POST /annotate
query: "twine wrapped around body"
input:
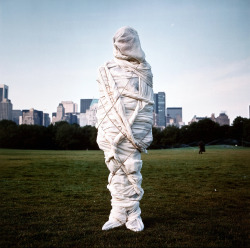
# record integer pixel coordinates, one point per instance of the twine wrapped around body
(124, 122)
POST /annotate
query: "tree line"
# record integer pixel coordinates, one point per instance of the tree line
(63, 136)
(205, 130)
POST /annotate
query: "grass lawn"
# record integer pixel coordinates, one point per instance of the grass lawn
(60, 199)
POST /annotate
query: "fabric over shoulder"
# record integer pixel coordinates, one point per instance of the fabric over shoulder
(124, 122)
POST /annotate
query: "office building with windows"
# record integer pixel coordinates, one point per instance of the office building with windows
(5, 103)
(89, 118)
(174, 116)
(84, 105)
(223, 119)
(70, 107)
(16, 114)
(4, 90)
(46, 119)
(159, 110)
(32, 117)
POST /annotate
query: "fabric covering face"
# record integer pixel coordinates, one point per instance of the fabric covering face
(124, 122)
(127, 45)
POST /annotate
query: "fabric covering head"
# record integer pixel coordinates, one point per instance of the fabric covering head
(127, 45)
(124, 121)
(129, 54)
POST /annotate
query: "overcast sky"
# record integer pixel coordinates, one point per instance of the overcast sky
(199, 51)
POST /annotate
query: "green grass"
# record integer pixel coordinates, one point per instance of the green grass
(60, 199)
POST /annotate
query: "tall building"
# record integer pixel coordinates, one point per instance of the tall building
(46, 119)
(223, 119)
(59, 115)
(89, 118)
(159, 109)
(5, 103)
(197, 119)
(6, 110)
(85, 104)
(70, 107)
(70, 118)
(82, 119)
(174, 116)
(60, 112)
(32, 117)
(16, 113)
(62, 115)
(4, 90)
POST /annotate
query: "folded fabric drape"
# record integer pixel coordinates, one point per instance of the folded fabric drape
(124, 122)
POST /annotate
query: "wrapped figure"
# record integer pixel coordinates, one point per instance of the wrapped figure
(124, 122)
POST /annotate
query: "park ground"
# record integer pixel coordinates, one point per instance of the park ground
(60, 199)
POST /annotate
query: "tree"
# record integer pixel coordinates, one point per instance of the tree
(156, 132)
(170, 137)
(8, 134)
(62, 135)
(68, 137)
(208, 130)
(241, 130)
(89, 135)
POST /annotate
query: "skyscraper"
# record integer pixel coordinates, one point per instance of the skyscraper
(46, 119)
(5, 103)
(85, 104)
(223, 119)
(159, 109)
(174, 116)
(4, 90)
(89, 117)
(70, 107)
(32, 117)
(16, 113)
(60, 112)
(66, 111)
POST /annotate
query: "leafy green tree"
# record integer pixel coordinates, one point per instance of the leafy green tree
(62, 135)
(8, 134)
(32, 137)
(246, 133)
(208, 130)
(74, 137)
(170, 137)
(241, 130)
(156, 138)
(88, 140)
(67, 137)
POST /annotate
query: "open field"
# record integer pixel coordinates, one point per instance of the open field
(60, 199)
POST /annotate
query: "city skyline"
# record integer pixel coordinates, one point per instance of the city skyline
(160, 110)
(68, 111)
(199, 51)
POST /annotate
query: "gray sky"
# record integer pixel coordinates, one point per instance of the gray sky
(199, 50)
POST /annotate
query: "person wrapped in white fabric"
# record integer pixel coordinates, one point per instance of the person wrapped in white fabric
(124, 122)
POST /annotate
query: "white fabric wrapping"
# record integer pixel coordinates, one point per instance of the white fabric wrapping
(124, 122)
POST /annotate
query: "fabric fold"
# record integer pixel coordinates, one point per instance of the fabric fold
(124, 122)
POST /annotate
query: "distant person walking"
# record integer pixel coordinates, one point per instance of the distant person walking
(202, 147)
